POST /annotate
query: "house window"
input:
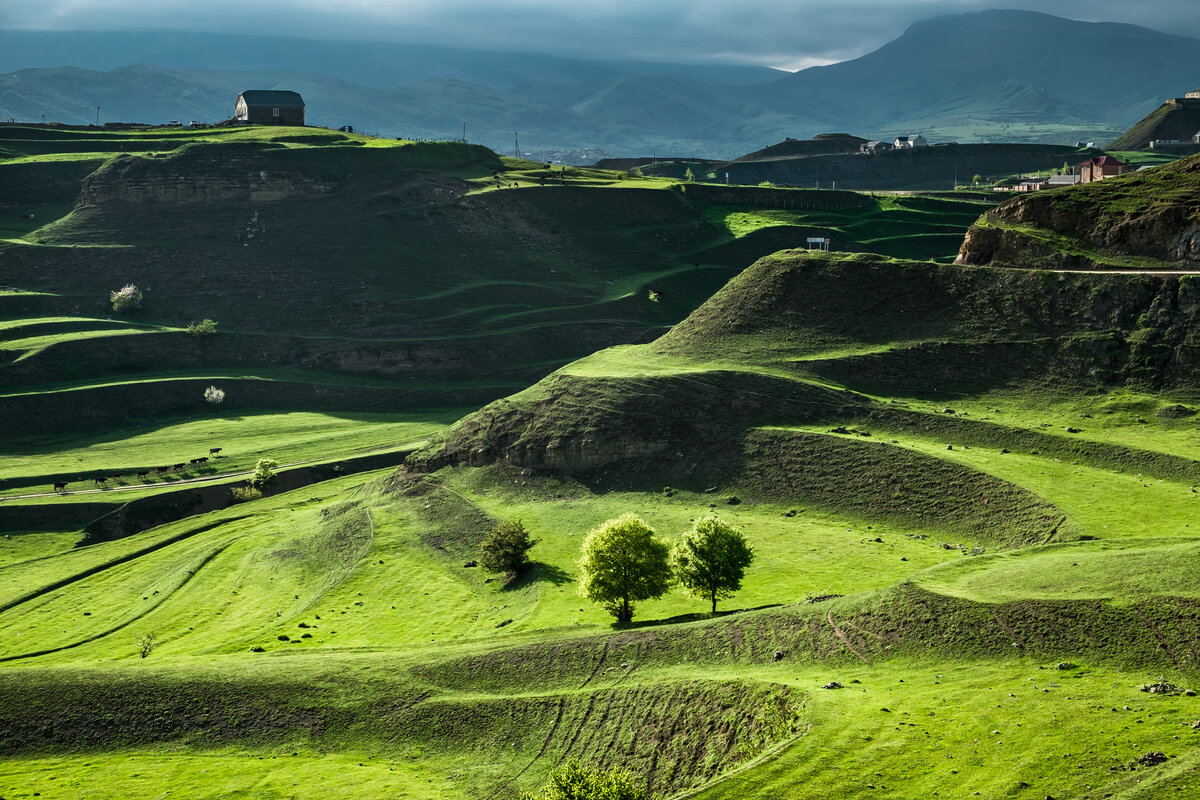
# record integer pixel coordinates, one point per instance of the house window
(274, 112)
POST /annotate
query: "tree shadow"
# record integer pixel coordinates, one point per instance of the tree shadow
(694, 616)
(537, 571)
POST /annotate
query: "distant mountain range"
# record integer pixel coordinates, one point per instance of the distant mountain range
(986, 76)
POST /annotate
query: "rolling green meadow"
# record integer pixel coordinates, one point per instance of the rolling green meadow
(969, 489)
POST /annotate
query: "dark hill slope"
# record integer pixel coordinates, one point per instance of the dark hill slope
(1147, 219)
(821, 144)
(928, 168)
(1168, 121)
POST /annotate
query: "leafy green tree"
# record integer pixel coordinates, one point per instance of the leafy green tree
(711, 559)
(624, 562)
(689, 176)
(976, 179)
(506, 549)
(573, 781)
(264, 472)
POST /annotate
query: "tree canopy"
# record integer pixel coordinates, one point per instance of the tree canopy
(711, 559)
(506, 549)
(623, 562)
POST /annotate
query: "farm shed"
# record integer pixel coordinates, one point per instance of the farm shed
(269, 107)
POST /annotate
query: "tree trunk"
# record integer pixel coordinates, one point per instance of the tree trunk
(714, 599)
(625, 613)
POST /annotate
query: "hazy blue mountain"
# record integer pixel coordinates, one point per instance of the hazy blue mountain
(986, 76)
(1115, 71)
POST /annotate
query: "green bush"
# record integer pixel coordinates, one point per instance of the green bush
(205, 327)
(573, 781)
(242, 494)
(506, 549)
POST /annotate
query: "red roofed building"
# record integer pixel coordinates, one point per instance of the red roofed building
(1099, 168)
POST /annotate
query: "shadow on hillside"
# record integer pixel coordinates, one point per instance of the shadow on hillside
(538, 572)
(693, 617)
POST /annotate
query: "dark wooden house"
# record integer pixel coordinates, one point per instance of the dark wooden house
(269, 107)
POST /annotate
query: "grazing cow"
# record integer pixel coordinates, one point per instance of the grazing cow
(194, 461)
(61, 486)
(202, 460)
(212, 451)
(101, 481)
(162, 470)
(143, 474)
(179, 467)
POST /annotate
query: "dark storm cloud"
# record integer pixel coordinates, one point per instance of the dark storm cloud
(790, 33)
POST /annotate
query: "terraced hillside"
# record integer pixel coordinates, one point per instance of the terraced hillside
(359, 286)
(969, 491)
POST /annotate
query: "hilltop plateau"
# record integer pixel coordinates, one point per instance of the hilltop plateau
(968, 488)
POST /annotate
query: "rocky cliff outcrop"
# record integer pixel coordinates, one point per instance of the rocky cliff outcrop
(1135, 221)
(199, 174)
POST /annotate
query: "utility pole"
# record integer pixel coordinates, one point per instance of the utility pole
(97, 116)
(516, 145)
(464, 133)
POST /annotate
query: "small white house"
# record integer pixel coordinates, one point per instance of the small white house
(911, 142)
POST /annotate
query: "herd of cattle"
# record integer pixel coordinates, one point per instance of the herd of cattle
(102, 481)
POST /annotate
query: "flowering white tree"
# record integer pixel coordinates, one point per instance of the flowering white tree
(127, 298)
(214, 395)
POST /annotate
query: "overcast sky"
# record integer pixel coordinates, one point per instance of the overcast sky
(789, 34)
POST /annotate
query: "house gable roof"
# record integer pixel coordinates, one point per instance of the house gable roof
(272, 97)
(1104, 161)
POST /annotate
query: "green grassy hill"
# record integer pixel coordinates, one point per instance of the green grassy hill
(969, 491)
